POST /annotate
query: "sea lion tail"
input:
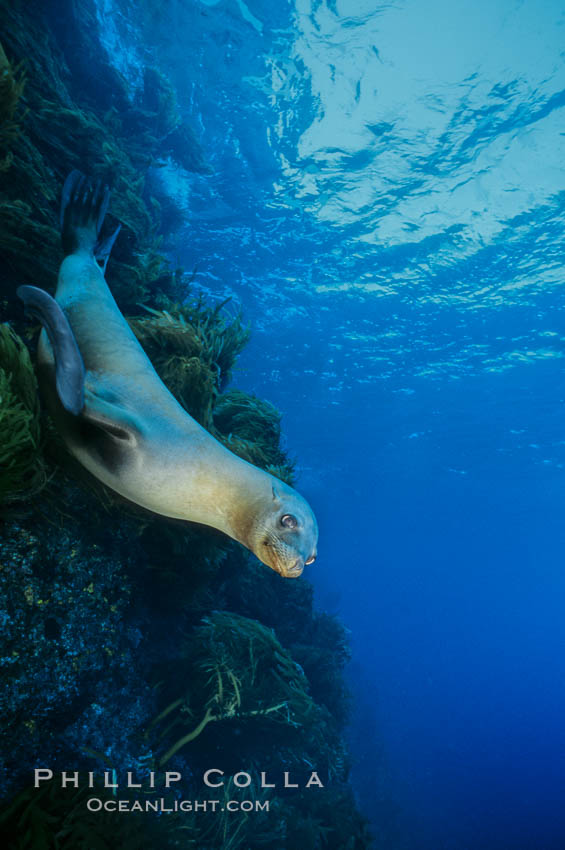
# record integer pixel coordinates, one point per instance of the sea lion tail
(84, 203)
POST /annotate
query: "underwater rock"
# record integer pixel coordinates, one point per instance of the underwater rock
(22, 470)
(66, 647)
(108, 613)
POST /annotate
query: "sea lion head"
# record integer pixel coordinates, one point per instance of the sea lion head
(284, 535)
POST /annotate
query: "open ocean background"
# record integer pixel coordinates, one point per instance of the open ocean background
(387, 206)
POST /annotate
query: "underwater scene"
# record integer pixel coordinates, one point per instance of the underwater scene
(282, 425)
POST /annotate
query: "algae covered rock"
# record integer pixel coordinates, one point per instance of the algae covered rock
(110, 616)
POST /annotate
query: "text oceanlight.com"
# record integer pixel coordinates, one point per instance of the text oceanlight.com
(95, 804)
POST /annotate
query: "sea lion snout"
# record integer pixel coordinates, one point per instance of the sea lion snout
(286, 564)
(295, 571)
(285, 536)
(297, 568)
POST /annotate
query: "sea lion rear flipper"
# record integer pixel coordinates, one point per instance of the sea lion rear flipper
(111, 417)
(103, 248)
(69, 367)
(83, 206)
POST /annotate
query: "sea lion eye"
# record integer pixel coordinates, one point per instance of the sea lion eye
(289, 521)
(310, 560)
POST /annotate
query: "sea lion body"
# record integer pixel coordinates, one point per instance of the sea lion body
(135, 437)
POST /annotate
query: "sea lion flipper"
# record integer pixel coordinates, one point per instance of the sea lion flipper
(111, 417)
(84, 204)
(103, 248)
(69, 367)
(74, 179)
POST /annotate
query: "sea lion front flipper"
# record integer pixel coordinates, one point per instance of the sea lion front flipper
(69, 367)
(111, 417)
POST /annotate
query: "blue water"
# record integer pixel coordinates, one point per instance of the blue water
(387, 205)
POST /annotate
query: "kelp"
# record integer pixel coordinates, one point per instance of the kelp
(31, 245)
(54, 817)
(251, 428)
(57, 130)
(237, 829)
(22, 471)
(317, 640)
(138, 283)
(239, 671)
(159, 107)
(12, 81)
(177, 352)
(193, 348)
(247, 697)
(248, 417)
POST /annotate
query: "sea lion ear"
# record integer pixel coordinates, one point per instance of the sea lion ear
(276, 496)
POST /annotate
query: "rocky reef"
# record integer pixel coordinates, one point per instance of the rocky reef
(130, 642)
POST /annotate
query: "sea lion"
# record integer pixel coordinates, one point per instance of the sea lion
(120, 421)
